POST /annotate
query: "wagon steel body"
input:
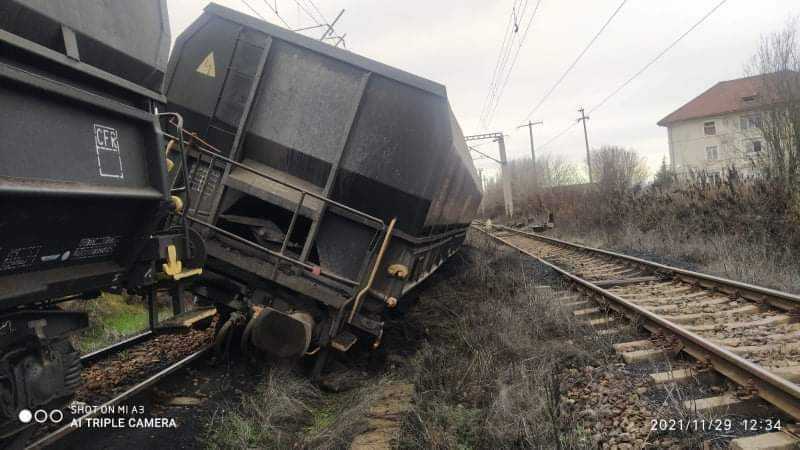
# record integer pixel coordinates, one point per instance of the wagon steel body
(312, 159)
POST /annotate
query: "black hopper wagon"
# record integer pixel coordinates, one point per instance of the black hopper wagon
(327, 185)
(85, 191)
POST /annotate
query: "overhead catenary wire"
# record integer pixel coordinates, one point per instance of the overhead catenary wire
(658, 56)
(507, 34)
(323, 23)
(317, 10)
(307, 12)
(274, 10)
(255, 11)
(506, 53)
(499, 95)
(575, 62)
(556, 137)
(640, 71)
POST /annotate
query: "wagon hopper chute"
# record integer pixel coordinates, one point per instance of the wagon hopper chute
(337, 183)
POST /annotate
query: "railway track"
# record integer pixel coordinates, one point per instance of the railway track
(116, 374)
(748, 334)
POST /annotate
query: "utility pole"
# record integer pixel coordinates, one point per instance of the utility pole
(483, 191)
(504, 169)
(530, 125)
(583, 118)
(506, 173)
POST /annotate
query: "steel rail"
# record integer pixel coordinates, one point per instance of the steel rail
(67, 429)
(782, 300)
(113, 348)
(774, 389)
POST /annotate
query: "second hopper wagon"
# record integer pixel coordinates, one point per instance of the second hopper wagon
(328, 185)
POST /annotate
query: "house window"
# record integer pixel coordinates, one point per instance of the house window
(754, 146)
(750, 121)
(712, 153)
(710, 128)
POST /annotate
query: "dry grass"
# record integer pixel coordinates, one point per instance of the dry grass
(489, 374)
(747, 230)
(485, 348)
(755, 261)
(288, 411)
(269, 418)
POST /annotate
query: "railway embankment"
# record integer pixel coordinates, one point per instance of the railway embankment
(489, 358)
(742, 229)
(717, 368)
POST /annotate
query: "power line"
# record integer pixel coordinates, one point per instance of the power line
(307, 13)
(253, 9)
(318, 24)
(575, 62)
(513, 63)
(640, 72)
(507, 34)
(274, 9)
(663, 52)
(513, 34)
(323, 23)
(558, 136)
(314, 6)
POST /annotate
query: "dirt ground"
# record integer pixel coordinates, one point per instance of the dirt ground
(480, 356)
(485, 347)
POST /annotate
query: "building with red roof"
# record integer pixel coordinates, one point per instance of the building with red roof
(721, 127)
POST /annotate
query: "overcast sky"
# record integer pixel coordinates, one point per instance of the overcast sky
(457, 43)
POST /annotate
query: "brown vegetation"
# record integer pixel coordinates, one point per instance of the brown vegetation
(745, 229)
(616, 170)
(490, 372)
(777, 64)
(486, 350)
(742, 228)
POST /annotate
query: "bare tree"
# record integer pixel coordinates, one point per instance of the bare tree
(777, 66)
(616, 169)
(556, 171)
(527, 186)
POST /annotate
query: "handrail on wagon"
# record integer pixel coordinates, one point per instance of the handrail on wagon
(281, 256)
(216, 154)
(204, 149)
(374, 271)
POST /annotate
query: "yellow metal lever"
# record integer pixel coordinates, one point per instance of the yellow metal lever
(170, 163)
(174, 267)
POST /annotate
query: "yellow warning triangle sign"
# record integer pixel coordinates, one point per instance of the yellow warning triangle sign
(207, 67)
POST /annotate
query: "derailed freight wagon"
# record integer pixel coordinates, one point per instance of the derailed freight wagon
(328, 185)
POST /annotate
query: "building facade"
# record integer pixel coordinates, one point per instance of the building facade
(718, 129)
